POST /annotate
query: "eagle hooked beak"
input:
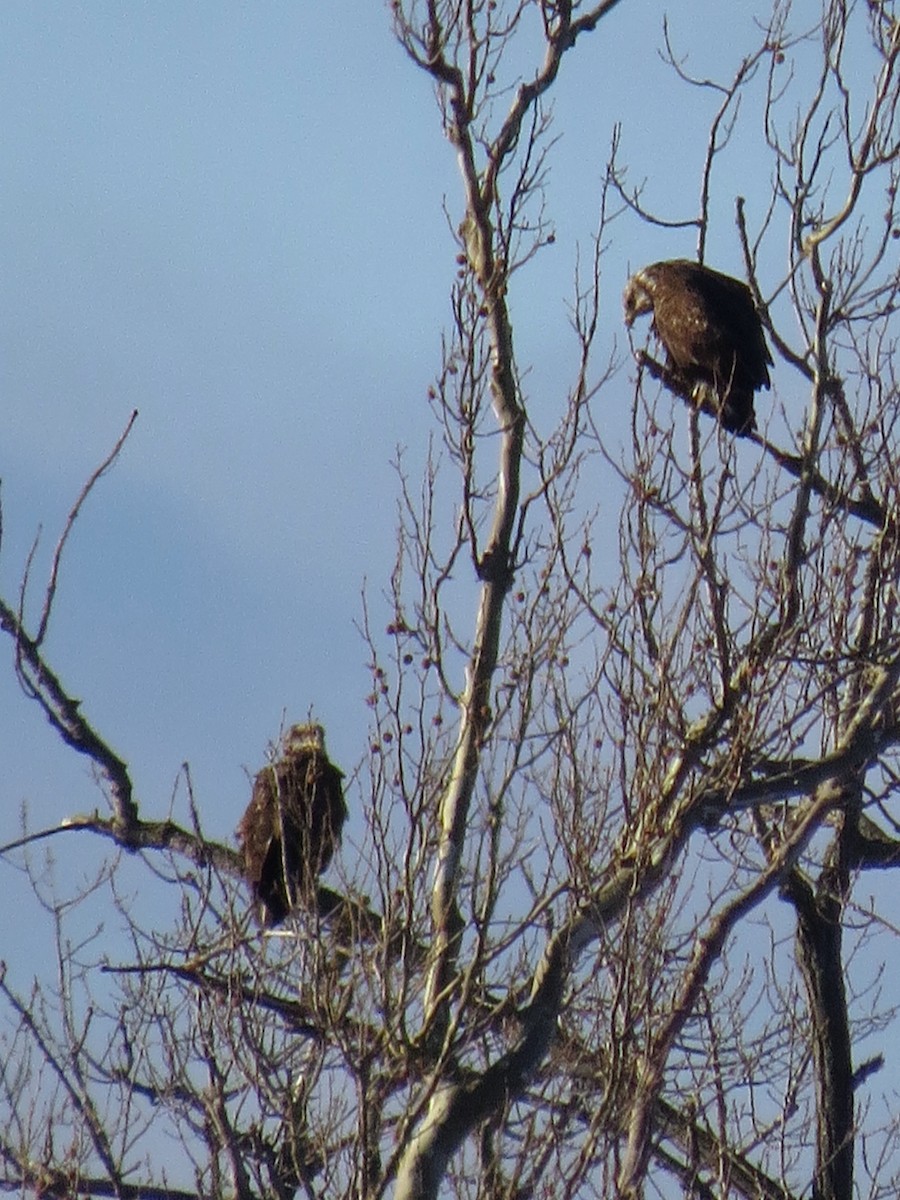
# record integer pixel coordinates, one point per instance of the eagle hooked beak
(636, 302)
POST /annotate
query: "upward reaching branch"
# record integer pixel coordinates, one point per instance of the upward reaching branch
(453, 1112)
(496, 563)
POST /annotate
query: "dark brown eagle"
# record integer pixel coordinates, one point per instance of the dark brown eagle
(292, 824)
(711, 332)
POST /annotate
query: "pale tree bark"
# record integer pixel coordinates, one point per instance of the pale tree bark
(455, 1109)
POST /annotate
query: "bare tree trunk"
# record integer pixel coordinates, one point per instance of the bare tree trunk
(819, 936)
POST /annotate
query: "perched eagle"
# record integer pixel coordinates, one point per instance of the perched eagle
(292, 824)
(711, 332)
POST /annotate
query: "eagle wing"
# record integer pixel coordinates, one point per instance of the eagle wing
(268, 858)
(708, 323)
(259, 825)
(318, 810)
(712, 334)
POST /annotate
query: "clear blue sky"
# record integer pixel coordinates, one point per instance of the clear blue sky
(230, 217)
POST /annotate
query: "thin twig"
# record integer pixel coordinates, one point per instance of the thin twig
(70, 521)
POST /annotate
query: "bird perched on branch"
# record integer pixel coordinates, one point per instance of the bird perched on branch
(711, 332)
(293, 823)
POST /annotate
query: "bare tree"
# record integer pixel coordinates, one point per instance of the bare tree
(612, 930)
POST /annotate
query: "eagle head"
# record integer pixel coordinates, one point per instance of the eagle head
(301, 739)
(638, 298)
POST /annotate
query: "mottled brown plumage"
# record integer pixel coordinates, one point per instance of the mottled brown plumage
(711, 332)
(292, 824)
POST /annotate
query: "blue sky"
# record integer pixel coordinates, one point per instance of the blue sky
(199, 224)
(231, 217)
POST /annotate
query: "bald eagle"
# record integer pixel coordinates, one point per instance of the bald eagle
(711, 332)
(292, 824)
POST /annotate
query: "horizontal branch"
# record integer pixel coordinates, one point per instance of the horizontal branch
(54, 1182)
(866, 508)
(711, 805)
(151, 835)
